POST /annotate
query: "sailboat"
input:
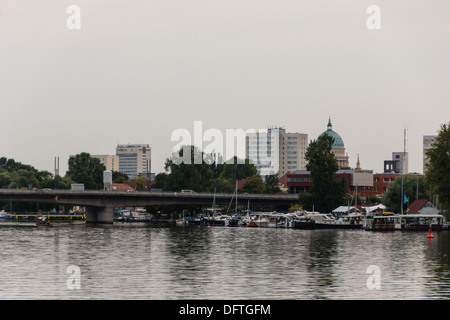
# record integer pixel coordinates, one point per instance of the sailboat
(182, 221)
(233, 221)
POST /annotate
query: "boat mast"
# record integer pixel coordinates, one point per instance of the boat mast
(402, 200)
(236, 195)
(232, 197)
(214, 202)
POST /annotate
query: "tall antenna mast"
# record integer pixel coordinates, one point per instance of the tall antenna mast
(56, 172)
(404, 141)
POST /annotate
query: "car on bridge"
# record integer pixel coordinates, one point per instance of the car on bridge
(188, 191)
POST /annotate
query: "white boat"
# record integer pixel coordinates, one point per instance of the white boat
(316, 220)
(261, 222)
(126, 215)
(3, 215)
(182, 222)
(140, 214)
(279, 220)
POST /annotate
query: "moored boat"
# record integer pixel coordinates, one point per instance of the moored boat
(252, 224)
(405, 222)
(181, 222)
(316, 220)
(43, 221)
(422, 222)
(385, 222)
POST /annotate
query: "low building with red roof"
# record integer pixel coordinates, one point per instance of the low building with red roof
(422, 206)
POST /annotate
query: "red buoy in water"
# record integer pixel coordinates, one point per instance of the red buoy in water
(429, 236)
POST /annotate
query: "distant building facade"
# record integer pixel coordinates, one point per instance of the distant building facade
(134, 160)
(111, 162)
(276, 151)
(363, 182)
(398, 164)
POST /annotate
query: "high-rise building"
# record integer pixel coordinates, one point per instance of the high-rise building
(292, 152)
(275, 151)
(134, 160)
(428, 141)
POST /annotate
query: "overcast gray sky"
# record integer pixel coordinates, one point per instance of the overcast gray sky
(138, 70)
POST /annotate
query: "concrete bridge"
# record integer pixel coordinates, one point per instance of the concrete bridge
(100, 204)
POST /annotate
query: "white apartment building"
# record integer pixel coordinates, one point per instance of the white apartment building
(428, 141)
(276, 151)
(134, 159)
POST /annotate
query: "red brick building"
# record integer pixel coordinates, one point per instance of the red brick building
(364, 182)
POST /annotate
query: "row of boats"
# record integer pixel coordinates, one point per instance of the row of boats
(314, 220)
(384, 221)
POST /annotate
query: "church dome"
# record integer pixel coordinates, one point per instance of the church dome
(338, 142)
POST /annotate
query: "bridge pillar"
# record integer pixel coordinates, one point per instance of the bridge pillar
(99, 214)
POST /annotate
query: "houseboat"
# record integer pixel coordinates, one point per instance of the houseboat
(422, 222)
(385, 222)
(405, 222)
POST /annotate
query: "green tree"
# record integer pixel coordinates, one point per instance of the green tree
(23, 178)
(413, 189)
(119, 177)
(44, 178)
(11, 165)
(139, 186)
(160, 179)
(87, 170)
(191, 173)
(438, 173)
(327, 191)
(271, 182)
(222, 185)
(238, 169)
(216, 162)
(5, 178)
(254, 184)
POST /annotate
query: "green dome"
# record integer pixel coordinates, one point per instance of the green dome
(338, 142)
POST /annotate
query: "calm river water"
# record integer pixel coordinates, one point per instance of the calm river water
(115, 262)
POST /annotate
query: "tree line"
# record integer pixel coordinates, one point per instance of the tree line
(213, 174)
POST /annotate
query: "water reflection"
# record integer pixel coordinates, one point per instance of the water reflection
(221, 263)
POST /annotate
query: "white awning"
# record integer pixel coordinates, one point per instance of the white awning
(345, 209)
(374, 208)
